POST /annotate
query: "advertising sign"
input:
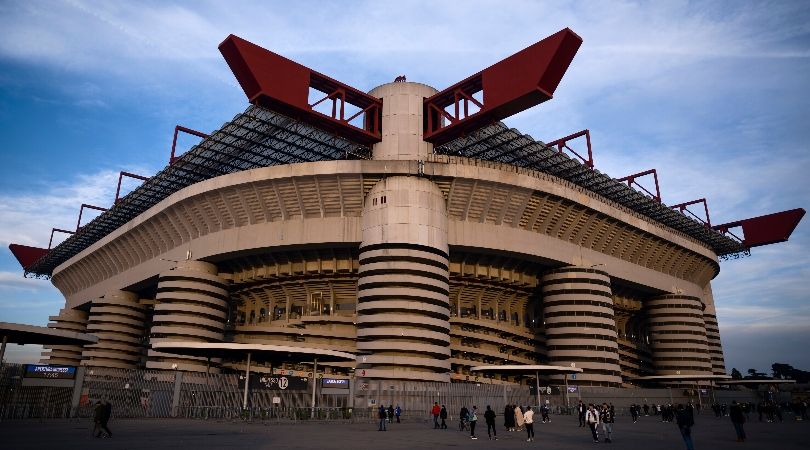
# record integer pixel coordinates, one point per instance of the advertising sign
(51, 372)
(573, 389)
(278, 382)
(336, 383)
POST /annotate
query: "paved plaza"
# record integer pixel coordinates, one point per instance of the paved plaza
(562, 434)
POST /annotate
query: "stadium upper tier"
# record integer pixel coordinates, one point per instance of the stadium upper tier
(261, 138)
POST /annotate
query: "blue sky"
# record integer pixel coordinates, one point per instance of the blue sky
(712, 94)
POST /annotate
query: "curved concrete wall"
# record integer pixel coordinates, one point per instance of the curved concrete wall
(580, 324)
(69, 355)
(403, 287)
(117, 319)
(678, 335)
(191, 305)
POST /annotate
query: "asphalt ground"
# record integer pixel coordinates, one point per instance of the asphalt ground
(561, 434)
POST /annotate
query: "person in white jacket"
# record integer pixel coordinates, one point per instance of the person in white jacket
(592, 419)
(528, 420)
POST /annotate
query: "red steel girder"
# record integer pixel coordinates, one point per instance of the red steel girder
(81, 211)
(130, 175)
(510, 86)
(562, 144)
(178, 129)
(765, 230)
(27, 255)
(682, 208)
(54, 230)
(631, 179)
(280, 84)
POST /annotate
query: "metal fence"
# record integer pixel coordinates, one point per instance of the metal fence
(163, 394)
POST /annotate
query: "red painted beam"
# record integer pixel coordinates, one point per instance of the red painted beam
(81, 211)
(275, 82)
(510, 86)
(178, 129)
(682, 208)
(130, 175)
(768, 229)
(26, 255)
(631, 179)
(562, 144)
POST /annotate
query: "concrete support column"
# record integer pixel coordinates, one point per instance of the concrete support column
(713, 332)
(191, 305)
(402, 128)
(117, 319)
(69, 355)
(678, 335)
(580, 325)
(403, 306)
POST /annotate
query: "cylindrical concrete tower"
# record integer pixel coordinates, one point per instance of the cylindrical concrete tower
(191, 305)
(580, 324)
(713, 332)
(117, 319)
(678, 335)
(402, 127)
(67, 320)
(403, 289)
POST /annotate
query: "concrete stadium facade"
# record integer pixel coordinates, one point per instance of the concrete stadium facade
(424, 265)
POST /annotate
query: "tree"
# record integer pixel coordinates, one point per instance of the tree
(735, 374)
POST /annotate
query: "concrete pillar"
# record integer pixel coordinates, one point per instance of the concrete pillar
(713, 333)
(580, 325)
(678, 335)
(403, 306)
(191, 305)
(402, 126)
(117, 319)
(68, 355)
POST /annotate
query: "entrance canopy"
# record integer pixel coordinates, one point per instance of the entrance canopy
(527, 369)
(267, 351)
(688, 377)
(18, 333)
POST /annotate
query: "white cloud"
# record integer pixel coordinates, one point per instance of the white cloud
(27, 219)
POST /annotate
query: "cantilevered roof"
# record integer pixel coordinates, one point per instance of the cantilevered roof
(255, 138)
(527, 368)
(19, 333)
(499, 143)
(238, 350)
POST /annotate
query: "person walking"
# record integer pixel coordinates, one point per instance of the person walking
(462, 418)
(390, 413)
(435, 411)
(105, 418)
(443, 416)
(607, 416)
(634, 412)
(737, 419)
(581, 409)
(518, 418)
(398, 412)
(685, 421)
(509, 417)
(98, 415)
(528, 419)
(489, 417)
(473, 418)
(544, 410)
(382, 415)
(592, 419)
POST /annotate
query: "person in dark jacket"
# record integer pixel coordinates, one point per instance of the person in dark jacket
(489, 416)
(443, 416)
(390, 413)
(105, 418)
(382, 415)
(397, 412)
(462, 418)
(581, 409)
(509, 417)
(737, 419)
(685, 421)
(98, 416)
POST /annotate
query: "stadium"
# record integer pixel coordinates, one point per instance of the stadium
(407, 226)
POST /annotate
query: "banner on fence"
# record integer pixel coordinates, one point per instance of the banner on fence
(278, 382)
(51, 372)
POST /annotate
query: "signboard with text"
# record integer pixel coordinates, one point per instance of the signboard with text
(335, 383)
(278, 382)
(50, 372)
